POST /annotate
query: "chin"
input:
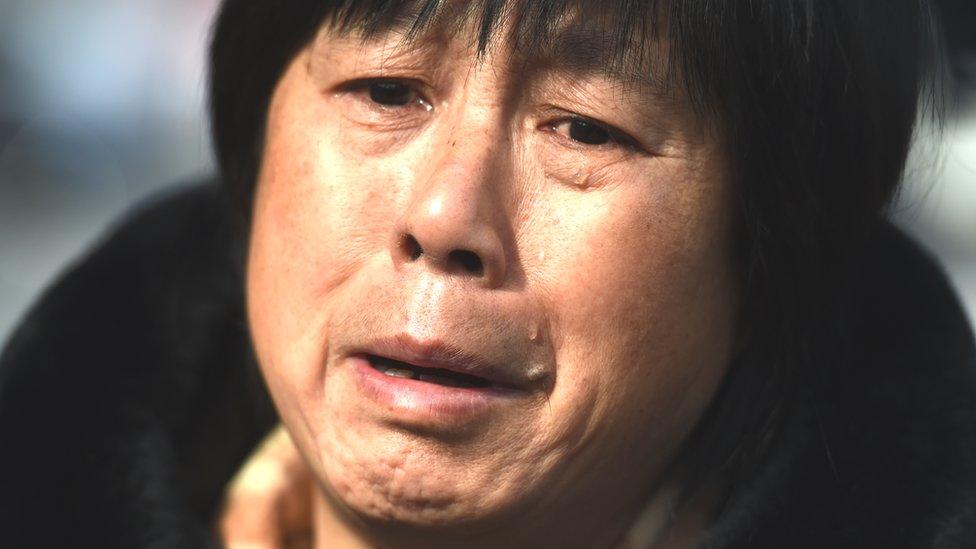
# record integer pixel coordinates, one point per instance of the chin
(421, 455)
(396, 481)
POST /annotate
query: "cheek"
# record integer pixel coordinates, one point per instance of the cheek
(320, 214)
(644, 329)
(318, 220)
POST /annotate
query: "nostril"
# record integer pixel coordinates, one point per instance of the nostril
(468, 260)
(464, 260)
(411, 247)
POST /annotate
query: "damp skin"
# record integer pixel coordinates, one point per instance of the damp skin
(603, 289)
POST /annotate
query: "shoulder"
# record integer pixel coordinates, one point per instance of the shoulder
(155, 251)
(128, 394)
(880, 450)
(128, 298)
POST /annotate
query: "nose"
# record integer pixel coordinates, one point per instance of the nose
(456, 222)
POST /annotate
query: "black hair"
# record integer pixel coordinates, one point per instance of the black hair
(816, 99)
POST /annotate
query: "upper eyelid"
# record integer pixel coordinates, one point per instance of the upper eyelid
(417, 86)
(556, 115)
(618, 136)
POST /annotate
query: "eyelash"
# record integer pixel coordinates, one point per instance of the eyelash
(365, 86)
(615, 137)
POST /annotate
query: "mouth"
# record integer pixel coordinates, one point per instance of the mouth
(428, 396)
(441, 363)
(437, 376)
(435, 383)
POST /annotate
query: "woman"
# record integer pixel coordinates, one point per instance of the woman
(524, 274)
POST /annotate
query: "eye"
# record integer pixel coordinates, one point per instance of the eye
(388, 95)
(394, 94)
(586, 132)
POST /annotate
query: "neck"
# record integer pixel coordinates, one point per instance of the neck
(330, 529)
(668, 522)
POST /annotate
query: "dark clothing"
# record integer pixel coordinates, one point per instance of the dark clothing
(129, 396)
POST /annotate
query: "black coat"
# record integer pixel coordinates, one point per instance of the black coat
(129, 396)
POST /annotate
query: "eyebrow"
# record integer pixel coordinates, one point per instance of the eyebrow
(575, 50)
(627, 42)
(588, 51)
(619, 53)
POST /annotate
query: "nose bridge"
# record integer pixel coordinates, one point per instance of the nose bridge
(456, 219)
(477, 140)
(472, 164)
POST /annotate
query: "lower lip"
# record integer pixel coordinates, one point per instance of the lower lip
(427, 401)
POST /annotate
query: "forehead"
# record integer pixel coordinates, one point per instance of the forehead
(621, 39)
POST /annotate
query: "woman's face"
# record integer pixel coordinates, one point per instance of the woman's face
(485, 289)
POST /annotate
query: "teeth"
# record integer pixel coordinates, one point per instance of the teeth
(442, 380)
(384, 367)
(398, 372)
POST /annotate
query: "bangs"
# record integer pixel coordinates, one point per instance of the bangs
(644, 42)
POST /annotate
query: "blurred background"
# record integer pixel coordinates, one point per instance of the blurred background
(102, 105)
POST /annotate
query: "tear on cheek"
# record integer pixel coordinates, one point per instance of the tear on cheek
(584, 175)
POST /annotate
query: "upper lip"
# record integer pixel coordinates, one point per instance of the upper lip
(438, 354)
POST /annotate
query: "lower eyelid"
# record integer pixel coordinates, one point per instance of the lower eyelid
(376, 119)
(361, 96)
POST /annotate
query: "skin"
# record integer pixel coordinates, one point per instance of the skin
(268, 504)
(607, 282)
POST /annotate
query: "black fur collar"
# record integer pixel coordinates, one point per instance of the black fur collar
(129, 396)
